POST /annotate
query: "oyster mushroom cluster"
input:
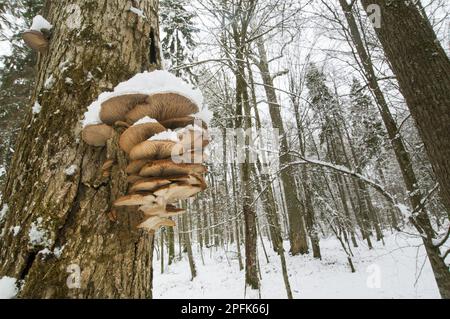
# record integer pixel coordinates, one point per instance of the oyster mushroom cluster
(164, 143)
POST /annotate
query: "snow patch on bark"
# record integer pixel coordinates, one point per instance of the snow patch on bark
(15, 230)
(40, 23)
(38, 236)
(36, 108)
(71, 170)
(138, 12)
(8, 287)
(49, 82)
(4, 211)
(57, 251)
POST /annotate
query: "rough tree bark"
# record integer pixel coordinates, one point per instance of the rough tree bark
(423, 72)
(96, 44)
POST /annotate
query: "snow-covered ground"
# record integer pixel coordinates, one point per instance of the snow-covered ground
(397, 270)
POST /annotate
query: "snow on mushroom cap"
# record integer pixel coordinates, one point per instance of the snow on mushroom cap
(147, 83)
(205, 115)
(168, 135)
(39, 23)
(145, 120)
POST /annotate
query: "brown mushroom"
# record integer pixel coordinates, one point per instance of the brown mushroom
(162, 106)
(163, 168)
(135, 200)
(115, 109)
(138, 133)
(154, 223)
(35, 40)
(181, 122)
(161, 211)
(134, 178)
(135, 166)
(149, 184)
(177, 191)
(122, 124)
(150, 150)
(193, 179)
(97, 134)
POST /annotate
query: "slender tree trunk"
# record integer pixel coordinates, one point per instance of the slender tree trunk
(171, 245)
(188, 246)
(297, 233)
(114, 258)
(162, 250)
(236, 219)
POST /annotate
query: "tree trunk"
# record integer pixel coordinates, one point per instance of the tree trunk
(70, 211)
(171, 245)
(423, 72)
(297, 233)
(188, 246)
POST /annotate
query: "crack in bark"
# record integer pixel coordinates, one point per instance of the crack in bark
(28, 264)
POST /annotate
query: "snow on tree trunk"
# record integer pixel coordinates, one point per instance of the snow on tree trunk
(66, 228)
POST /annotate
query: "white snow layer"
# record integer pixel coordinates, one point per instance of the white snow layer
(8, 288)
(15, 230)
(39, 23)
(145, 120)
(36, 108)
(391, 271)
(4, 211)
(168, 135)
(37, 234)
(148, 83)
(71, 170)
(138, 12)
(205, 115)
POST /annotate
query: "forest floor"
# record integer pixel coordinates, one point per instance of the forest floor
(399, 269)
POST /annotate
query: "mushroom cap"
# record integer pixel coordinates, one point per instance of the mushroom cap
(122, 124)
(97, 134)
(163, 168)
(181, 122)
(135, 200)
(135, 166)
(35, 40)
(134, 178)
(137, 134)
(153, 223)
(115, 108)
(150, 150)
(177, 191)
(193, 179)
(163, 106)
(161, 211)
(149, 184)
(154, 183)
